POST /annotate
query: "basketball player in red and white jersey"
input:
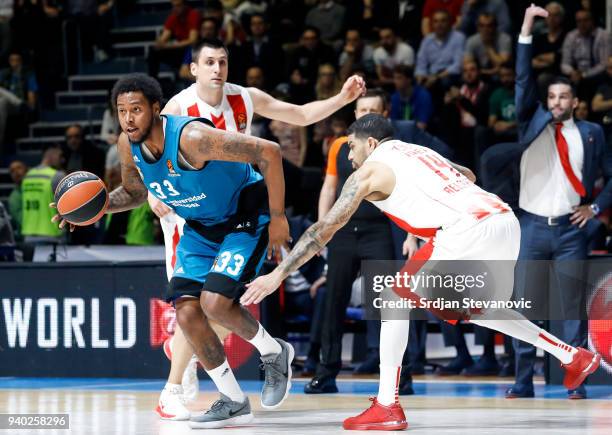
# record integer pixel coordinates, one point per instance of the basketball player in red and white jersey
(432, 198)
(228, 107)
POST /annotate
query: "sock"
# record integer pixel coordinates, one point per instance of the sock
(265, 343)
(226, 383)
(173, 388)
(393, 341)
(389, 384)
(517, 326)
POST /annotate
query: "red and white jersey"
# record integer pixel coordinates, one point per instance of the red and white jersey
(234, 113)
(430, 194)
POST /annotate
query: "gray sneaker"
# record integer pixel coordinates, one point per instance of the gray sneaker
(224, 412)
(277, 369)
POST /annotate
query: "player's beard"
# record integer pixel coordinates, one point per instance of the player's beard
(563, 116)
(146, 133)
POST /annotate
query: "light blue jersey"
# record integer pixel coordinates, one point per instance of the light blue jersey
(209, 195)
(224, 205)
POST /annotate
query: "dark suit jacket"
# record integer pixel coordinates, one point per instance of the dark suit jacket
(407, 131)
(532, 118)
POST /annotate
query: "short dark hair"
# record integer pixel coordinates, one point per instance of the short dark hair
(207, 42)
(137, 82)
(561, 80)
(371, 125)
(376, 93)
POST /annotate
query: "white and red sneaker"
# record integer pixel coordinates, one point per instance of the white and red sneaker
(171, 404)
(190, 381)
(584, 363)
(378, 417)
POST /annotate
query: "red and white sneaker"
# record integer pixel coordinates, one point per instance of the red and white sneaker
(171, 404)
(378, 417)
(584, 363)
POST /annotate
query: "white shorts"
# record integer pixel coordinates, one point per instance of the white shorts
(491, 246)
(172, 226)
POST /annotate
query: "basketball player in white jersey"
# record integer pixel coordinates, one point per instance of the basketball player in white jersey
(228, 107)
(430, 197)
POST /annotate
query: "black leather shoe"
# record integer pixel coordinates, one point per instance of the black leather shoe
(405, 385)
(519, 393)
(321, 385)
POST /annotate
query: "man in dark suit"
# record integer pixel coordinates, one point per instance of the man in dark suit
(561, 159)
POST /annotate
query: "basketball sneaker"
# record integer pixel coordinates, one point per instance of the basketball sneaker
(277, 369)
(583, 364)
(171, 404)
(190, 382)
(224, 412)
(378, 417)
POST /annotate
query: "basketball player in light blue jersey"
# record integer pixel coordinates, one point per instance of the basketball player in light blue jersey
(205, 175)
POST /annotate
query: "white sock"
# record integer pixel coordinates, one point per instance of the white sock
(393, 341)
(265, 343)
(173, 388)
(226, 383)
(517, 326)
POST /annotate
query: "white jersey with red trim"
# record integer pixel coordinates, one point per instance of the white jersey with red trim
(234, 113)
(430, 194)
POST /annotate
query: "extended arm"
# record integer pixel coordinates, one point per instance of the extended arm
(132, 191)
(357, 187)
(310, 113)
(526, 95)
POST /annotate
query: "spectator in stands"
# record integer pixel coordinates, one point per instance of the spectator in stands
(356, 54)
(255, 78)
(6, 14)
(547, 47)
(262, 51)
(602, 102)
(292, 141)
(247, 8)
(402, 15)
(389, 54)
(465, 108)
(82, 155)
(328, 83)
(473, 9)
(209, 29)
(585, 53)
(17, 170)
(231, 31)
(92, 19)
(581, 113)
(441, 54)
(305, 60)
(410, 101)
(453, 7)
(37, 189)
(180, 31)
(328, 17)
(502, 109)
(18, 92)
(489, 47)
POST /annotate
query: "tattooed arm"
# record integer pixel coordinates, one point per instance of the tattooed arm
(132, 191)
(200, 143)
(357, 187)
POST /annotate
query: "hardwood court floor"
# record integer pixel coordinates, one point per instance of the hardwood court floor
(116, 406)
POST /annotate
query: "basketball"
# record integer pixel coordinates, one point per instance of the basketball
(81, 198)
